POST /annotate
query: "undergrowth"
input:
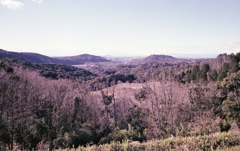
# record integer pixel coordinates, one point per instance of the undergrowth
(219, 141)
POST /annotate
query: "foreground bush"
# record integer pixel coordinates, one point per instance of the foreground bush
(219, 141)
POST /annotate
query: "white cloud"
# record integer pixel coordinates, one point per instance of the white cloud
(12, 4)
(37, 1)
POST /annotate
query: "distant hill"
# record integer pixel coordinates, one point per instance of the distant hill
(30, 57)
(158, 59)
(38, 58)
(83, 58)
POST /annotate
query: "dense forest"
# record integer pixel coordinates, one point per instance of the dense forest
(57, 106)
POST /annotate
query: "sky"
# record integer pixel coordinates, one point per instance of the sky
(120, 27)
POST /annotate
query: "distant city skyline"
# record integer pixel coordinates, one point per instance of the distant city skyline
(120, 27)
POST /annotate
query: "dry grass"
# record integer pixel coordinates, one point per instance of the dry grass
(218, 141)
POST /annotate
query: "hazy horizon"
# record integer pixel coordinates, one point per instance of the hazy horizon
(120, 28)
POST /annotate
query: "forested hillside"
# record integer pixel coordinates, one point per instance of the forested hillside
(38, 58)
(52, 71)
(57, 107)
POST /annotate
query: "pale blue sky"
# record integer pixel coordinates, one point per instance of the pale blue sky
(120, 27)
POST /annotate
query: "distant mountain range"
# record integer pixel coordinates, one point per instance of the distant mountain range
(86, 58)
(38, 58)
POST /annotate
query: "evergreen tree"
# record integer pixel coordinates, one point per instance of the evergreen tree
(205, 68)
(234, 64)
(231, 105)
(195, 73)
(223, 73)
(203, 72)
